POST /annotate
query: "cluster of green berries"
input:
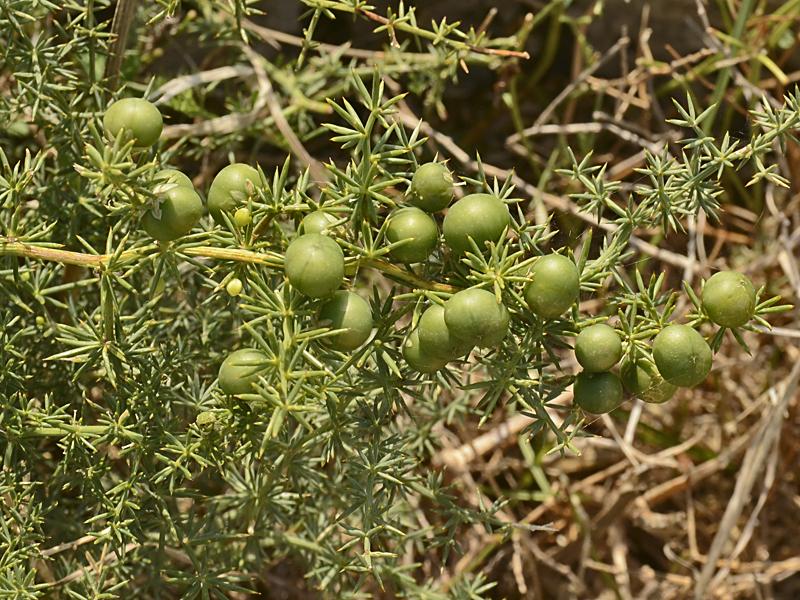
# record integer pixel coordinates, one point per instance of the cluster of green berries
(177, 207)
(681, 356)
(314, 264)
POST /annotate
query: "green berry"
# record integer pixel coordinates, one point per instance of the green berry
(431, 187)
(417, 230)
(436, 338)
(230, 189)
(350, 312)
(137, 116)
(174, 176)
(242, 217)
(682, 355)
(729, 299)
(180, 210)
(645, 382)
(234, 287)
(314, 265)
(482, 217)
(418, 359)
(598, 348)
(475, 317)
(554, 286)
(241, 370)
(318, 221)
(597, 393)
(206, 418)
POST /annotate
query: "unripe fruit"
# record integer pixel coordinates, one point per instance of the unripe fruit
(436, 338)
(555, 286)
(234, 287)
(318, 221)
(598, 348)
(206, 418)
(482, 217)
(475, 317)
(242, 217)
(644, 382)
(174, 176)
(230, 188)
(418, 230)
(431, 187)
(419, 360)
(350, 312)
(729, 299)
(597, 393)
(314, 265)
(138, 116)
(240, 371)
(682, 355)
(181, 209)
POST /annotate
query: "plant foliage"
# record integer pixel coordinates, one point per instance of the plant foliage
(126, 470)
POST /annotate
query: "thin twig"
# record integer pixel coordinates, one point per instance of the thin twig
(318, 172)
(403, 26)
(270, 259)
(766, 436)
(544, 116)
(120, 26)
(180, 84)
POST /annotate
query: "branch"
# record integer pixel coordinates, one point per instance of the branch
(120, 26)
(429, 35)
(269, 259)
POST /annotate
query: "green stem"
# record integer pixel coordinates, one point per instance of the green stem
(395, 272)
(724, 76)
(269, 259)
(80, 430)
(407, 27)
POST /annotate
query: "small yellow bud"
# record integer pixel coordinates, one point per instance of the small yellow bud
(234, 287)
(242, 217)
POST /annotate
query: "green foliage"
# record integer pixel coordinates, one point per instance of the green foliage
(118, 440)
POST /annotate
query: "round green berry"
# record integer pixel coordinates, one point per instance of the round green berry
(431, 187)
(318, 221)
(207, 418)
(598, 348)
(351, 313)
(180, 209)
(597, 393)
(435, 336)
(418, 359)
(682, 355)
(418, 232)
(729, 299)
(241, 370)
(475, 317)
(554, 286)
(230, 189)
(137, 116)
(314, 264)
(234, 287)
(481, 217)
(242, 217)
